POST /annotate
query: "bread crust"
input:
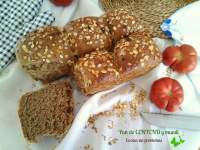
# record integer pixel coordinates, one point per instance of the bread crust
(121, 23)
(45, 54)
(136, 55)
(133, 56)
(95, 72)
(88, 34)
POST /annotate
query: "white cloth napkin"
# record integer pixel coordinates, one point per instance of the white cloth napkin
(190, 106)
(14, 82)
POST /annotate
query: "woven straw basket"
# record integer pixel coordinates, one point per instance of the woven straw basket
(150, 12)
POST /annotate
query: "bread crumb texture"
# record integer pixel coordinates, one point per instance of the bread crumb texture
(47, 112)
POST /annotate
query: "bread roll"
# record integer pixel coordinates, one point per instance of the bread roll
(45, 54)
(132, 57)
(47, 112)
(88, 34)
(95, 72)
(136, 55)
(121, 23)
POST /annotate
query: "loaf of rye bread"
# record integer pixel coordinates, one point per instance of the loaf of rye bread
(47, 112)
(136, 55)
(45, 54)
(49, 53)
(121, 23)
(132, 57)
(88, 34)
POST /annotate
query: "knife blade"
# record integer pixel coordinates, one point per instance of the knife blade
(172, 121)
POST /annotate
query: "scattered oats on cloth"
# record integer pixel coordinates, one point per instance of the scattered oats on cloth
(18, 17)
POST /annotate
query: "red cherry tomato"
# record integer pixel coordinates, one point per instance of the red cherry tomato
(181, 59)
(62, 2)
(167, 93)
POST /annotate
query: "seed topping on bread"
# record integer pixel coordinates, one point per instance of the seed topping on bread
(131, 57)
(121, 23)
(45, 54)
(88, 34)
(45, 44)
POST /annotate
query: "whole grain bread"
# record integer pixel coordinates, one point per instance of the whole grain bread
(45, 54)
(88, 34)
(133, 56)
(121, 23)
(96, 72)
(47, 112)
(136, 55)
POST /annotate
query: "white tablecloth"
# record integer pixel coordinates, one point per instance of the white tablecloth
(14, 82)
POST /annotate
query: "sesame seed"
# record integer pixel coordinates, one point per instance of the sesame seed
(103, 71)
(146, 57)
(136, 45)
(86, 64)
(24, 48)
(87, 37)
(75, 33)
(151, 47)
(61, 56)
(38, 54)
(45, 51)
(99, 65)
(93, 72)
(32, 45)
(47, 60)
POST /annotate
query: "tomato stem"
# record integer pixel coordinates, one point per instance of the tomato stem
(170, 93)
(180, 56)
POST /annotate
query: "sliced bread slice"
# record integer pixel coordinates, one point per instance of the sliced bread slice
(47, 112)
